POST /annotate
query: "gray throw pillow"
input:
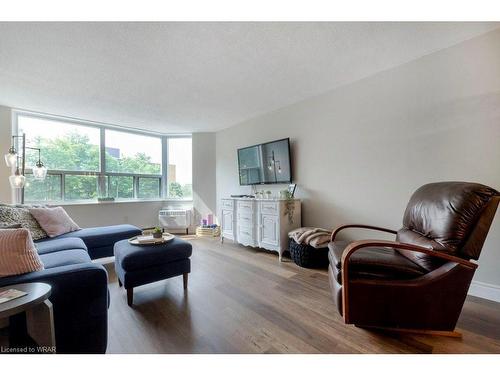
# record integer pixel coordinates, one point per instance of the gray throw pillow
(10, 226)
(17, 214)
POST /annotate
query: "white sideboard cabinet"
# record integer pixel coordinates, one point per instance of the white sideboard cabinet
(261, 223)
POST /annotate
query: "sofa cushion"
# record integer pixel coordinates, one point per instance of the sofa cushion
(65, 258)
(373, 262)
(104, 236)
(131, 257)
(59, 244)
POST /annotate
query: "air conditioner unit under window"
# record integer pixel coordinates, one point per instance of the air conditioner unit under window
(175, 219)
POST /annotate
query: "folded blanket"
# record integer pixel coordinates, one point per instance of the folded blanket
(315, 237)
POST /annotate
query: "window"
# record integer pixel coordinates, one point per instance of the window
(46, 190)
(148, 187)
(130, 166)
(179, 174)
(121, 187)
(132, 153)
(77, 187)
(65, 146)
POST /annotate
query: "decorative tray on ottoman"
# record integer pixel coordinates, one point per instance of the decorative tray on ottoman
(146, 240)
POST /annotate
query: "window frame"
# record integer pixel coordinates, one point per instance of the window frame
(102, 174)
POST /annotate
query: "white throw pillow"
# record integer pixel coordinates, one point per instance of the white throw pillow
(55, 221)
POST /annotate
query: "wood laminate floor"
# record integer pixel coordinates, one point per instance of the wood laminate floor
(242, 300)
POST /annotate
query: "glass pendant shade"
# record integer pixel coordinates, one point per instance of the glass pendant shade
(39, 171)
(11, 158)
(17, 181)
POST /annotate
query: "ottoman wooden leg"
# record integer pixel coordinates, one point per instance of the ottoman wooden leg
(185, 280)
(130, 296)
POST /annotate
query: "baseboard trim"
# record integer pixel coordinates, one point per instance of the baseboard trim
(485, 290)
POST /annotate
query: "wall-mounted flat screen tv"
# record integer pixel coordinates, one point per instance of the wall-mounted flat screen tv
(267, 163)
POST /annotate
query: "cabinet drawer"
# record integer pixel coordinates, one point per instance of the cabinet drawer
(227, 204)
(245, 232)
(269, 208)
(245, 219)
(245, 207)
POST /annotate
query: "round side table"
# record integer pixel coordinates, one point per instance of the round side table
(38, 309)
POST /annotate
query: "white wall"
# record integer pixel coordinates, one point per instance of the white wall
(141, 214)
(361, 150)
(5, 140)
(204, 181)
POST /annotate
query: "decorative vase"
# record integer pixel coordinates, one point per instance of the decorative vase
(157, 234)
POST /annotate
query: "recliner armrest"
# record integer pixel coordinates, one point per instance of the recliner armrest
(356, 245)
(361, 226)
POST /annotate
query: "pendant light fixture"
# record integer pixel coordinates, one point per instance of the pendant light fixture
(39, 170)
(11, 157)
(17, 180)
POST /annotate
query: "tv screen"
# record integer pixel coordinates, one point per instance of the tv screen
(267, 163)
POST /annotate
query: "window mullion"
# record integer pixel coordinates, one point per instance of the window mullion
(102, 165)
(164, 168)
(63, 187)
(136, 187)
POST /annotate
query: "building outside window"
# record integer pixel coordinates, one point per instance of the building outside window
(87, 161)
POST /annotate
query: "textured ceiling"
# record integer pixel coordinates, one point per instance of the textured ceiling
(187, 77)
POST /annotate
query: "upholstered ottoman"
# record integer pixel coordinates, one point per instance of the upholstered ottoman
(139, 265)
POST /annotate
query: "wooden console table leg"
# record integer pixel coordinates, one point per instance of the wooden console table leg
(185, 280)
(40, 325)
(130, 296)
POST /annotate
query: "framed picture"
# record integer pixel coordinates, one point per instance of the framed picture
(291, 189)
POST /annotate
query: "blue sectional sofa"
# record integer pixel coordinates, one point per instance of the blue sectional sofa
(80, 294)
(99, 240)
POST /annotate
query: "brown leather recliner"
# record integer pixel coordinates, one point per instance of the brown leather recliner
(418, 282)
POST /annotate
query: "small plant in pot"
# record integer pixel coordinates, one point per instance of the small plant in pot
(157, 232)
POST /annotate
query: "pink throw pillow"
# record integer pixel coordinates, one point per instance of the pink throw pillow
(55, 221)
(18, 253)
